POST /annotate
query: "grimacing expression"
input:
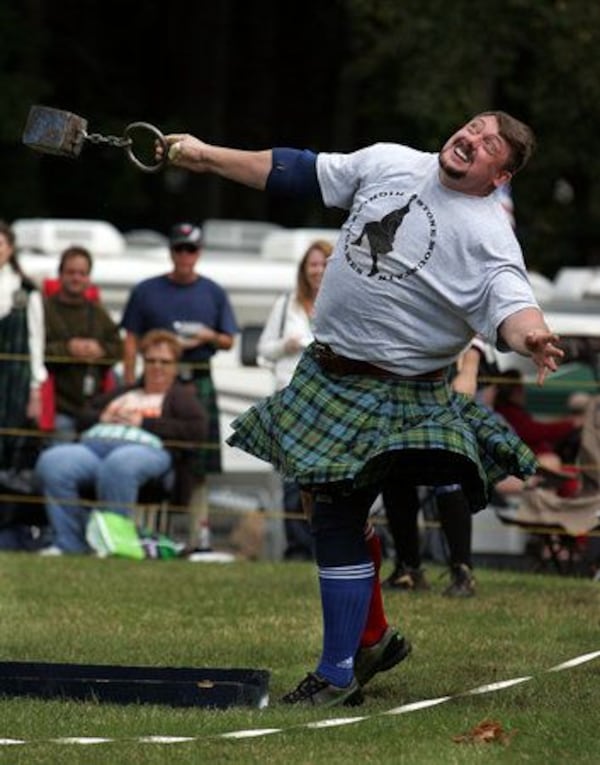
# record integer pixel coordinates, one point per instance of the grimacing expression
(475, 157)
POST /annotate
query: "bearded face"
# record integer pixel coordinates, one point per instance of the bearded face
(474, 159)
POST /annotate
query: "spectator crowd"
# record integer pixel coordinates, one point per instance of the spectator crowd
(121, 404)
(78, 430)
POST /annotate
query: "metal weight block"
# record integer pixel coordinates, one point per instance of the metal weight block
(54, 131)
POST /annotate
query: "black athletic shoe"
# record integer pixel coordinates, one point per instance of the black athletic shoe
(389, 651)
(407, 579)
(317, 692)
(462, 584)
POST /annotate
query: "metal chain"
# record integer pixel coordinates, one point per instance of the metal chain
(126, 142)
(108, 140)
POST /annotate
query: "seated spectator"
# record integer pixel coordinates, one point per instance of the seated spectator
(79, 329)
(556, 436)
(123, 447)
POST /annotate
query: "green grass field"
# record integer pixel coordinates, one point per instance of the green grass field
(266, 615)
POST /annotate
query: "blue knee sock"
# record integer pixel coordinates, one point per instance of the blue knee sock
(345, 597)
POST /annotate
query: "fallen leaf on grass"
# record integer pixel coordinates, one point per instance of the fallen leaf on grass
(485, 732)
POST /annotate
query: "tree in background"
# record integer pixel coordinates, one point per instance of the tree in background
(326, 76)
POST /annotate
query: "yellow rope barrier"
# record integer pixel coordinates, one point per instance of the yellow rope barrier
(51, 435)
(269, 514)
(91, 362)
(548, 383)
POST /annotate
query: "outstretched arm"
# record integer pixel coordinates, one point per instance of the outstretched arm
(280, 171)
(527, 333)
(250, 168)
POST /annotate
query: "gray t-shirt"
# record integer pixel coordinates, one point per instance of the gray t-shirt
(418, 268)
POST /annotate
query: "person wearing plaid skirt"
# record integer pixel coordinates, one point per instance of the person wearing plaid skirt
(425, 260)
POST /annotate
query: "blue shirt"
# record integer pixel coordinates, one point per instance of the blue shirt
(159, 302)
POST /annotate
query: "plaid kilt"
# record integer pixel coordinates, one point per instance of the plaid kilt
(15, 376)
(356, 430)
(208, 457)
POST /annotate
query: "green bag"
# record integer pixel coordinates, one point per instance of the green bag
(114, 534)
(159, 546)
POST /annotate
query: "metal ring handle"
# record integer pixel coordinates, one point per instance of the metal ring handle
(159, 136)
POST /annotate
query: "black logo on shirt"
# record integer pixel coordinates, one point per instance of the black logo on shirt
(384, 256)
(381, 233)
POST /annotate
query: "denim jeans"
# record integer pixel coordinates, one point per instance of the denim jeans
(115, 469)
(65, 426)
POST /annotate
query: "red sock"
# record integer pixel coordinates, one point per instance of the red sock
(376, 621)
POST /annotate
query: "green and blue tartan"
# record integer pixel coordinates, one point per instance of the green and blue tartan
(15, 377)
(208, 457)
(357, 430)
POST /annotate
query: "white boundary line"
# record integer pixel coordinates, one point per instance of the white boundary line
(332, 722)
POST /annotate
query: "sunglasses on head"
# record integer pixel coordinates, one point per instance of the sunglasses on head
(185, 248)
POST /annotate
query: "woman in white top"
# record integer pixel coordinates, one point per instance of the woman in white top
(287, 333)
(22, 369)
(288, 330)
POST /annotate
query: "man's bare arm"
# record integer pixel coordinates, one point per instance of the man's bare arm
(250, 168)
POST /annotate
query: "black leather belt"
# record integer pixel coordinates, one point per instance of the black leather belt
(332, 362)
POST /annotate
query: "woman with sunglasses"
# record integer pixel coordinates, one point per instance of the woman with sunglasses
(123, 445)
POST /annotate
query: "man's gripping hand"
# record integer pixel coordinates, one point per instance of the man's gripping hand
(251, 168)
(183, 150)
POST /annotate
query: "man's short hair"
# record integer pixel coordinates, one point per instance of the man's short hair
(519, 137)
(75, 252)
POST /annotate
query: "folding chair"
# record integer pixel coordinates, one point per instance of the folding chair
(566, 523)
(152, 505)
